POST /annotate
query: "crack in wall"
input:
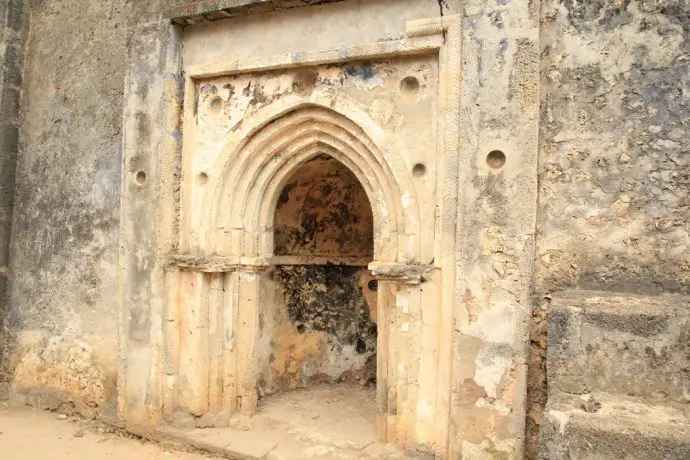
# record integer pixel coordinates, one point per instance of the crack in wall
(441, 5)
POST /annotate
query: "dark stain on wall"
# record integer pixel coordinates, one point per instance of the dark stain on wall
(328, 298)
(324, 211)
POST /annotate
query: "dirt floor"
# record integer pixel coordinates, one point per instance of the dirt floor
(325, 422)
(27, 434)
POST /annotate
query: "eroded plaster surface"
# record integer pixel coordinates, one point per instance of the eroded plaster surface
(319, 329)
(323, 211)
(64, 252)
(611, 81)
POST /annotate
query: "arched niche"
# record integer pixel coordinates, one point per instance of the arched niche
(253, 172)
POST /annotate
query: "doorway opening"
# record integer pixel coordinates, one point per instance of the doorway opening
(319, 334)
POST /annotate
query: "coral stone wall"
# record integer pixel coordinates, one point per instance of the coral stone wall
(613, 156)
(614, 146)
(324, 211)
(319, 328)
(64, 250)
(614, 161)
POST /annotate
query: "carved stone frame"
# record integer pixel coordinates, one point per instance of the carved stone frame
(242, 279)
(152, 258)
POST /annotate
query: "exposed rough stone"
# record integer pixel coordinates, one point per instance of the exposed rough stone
(618, 367)
(324, 211)
(620, 343)
(323, 328)
(622, 428)
(13, 31)
(60, 372)
(614, 168)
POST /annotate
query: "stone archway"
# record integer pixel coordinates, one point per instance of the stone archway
(221, 288)
(254, 171)
(217, 228)
(264, 162)
(185, 273)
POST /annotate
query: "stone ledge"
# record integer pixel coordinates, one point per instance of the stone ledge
(409, 273)
(619, 343)
(620, 303)
(188, 12)
(214, 264)
(622, 427)
(219, 264)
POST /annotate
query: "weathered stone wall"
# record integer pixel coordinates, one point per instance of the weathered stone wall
(319, 328)
(614, 164)
(496, 223)
(64, 252)
(324, 211)
(65, 238)
(613, 147)
(12, 36)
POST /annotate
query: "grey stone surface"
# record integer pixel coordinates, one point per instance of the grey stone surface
(620, 343)
(622, 428)
(65, 232)
(613, 146)
(12, 37)
(618, 373)
(613, 164)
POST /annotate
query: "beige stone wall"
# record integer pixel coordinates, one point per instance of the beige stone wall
(611, 81)
(63, 261)
(613, 157)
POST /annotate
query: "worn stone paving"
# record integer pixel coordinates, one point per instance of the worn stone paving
(324, 422)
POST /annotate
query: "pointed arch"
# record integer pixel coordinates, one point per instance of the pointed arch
(254, 169)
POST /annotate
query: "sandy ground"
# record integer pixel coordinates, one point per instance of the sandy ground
(27, 434)
(324, 422)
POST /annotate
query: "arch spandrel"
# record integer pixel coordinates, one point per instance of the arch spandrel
(256, 159)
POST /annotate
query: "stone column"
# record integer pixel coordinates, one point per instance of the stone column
(400, 353)
(495, 227)
(151, 147)
(247, 330)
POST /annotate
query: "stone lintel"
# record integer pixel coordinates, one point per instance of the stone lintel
(188, 12)
(217, 264)
(403, 273)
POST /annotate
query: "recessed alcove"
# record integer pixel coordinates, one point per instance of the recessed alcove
(319, 326)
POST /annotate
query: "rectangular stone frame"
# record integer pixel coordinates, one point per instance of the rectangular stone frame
(152, 151)
(440, 36)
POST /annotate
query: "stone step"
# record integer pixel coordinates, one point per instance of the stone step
(620, 343)
(607, 427)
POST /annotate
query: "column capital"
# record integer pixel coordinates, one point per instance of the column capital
(400, 273)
